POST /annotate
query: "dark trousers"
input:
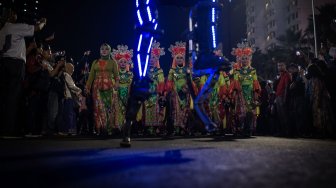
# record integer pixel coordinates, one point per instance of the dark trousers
(169, 120)
(34, 114)
(83, 123)
(69, 117)
(11, 94)
(282, 125)
(55, 114)
(133, 106)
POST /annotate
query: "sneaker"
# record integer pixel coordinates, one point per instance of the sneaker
(211, 127)
(125, 143)
(30, 135)
(62, 134)
(11, 137)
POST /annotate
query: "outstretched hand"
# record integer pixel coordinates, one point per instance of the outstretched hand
(40, 24)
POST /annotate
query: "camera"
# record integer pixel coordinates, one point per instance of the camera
(59, 56)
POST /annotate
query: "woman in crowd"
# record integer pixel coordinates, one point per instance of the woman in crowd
(55, 67)
(320, 103)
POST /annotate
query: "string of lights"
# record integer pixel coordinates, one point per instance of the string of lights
(147, 25)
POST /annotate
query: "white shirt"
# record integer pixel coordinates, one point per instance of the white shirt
(70, 86)
(18, 32)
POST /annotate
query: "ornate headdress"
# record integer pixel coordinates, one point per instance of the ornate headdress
(123, 53)
(156, 51)
(244, 49)
(179, 49)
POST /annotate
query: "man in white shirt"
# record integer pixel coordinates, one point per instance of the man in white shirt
(12, 68)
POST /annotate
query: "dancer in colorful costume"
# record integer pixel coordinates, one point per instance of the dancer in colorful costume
(177, 86)
(245, 89)
(219, 97)
(153, 111)
(220, 103)
(103, 78)
(123, 57)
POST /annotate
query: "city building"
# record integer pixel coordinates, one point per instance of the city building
(266, 20)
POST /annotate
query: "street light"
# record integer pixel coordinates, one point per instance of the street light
(315, 40)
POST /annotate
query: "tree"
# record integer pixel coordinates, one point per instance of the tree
(263, 63)
(266, 64)
(325, 25)
(291, 40)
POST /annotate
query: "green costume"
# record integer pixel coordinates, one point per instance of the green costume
(103, 75)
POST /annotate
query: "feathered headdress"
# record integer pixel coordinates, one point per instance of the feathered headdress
(179, 49)
(157, 52)
(244, 49)
(123, 53)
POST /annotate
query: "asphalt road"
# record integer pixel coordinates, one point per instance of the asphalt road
(181, 162)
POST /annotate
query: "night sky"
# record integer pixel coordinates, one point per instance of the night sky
(85, 25)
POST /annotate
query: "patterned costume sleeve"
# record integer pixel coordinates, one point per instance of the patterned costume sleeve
(92, 75)
(235, 85)
(223, 90)
(115, 71)
(170, 81)
(161, 83)
(203, 79)
(131, 78)
(256, 85)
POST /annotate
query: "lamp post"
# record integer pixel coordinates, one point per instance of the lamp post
(315, 40)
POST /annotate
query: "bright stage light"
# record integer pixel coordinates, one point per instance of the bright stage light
(139, 17)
